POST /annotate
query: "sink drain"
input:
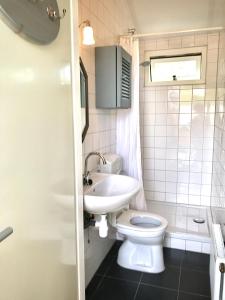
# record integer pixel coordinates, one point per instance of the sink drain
(199, 220)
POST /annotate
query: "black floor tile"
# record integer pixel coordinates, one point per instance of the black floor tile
(173, 257)
(184, 296)
(109, 259)
(115, 248)
(92, 286)
(114, 289)
(105, 265)
(114, 282)
(116, 271)
(195, 282)
(167, 279)
(196, 261)
(146, 292)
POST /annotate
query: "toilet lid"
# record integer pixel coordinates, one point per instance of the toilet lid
(141, 221)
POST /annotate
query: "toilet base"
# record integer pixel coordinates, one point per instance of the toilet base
(141, 257)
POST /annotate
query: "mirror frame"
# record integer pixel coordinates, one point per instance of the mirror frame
(85, 129)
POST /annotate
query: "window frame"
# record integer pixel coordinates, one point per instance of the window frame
(183, 52)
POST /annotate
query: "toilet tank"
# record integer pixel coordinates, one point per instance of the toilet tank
(113, 164)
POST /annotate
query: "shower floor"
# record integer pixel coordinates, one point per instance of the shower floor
(186, 278)
(182, 232)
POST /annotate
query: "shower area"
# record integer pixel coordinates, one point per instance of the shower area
(183, 146)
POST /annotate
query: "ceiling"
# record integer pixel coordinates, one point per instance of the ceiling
(152, 16)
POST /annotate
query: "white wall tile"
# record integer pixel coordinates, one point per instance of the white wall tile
(173, 95)
(175, 43)
(171, 187)
(160, 119)
(182, 188)
(160, 164)
(150, 44)
(171, 165)
(181, 222)
(162, 44)
(213, 40)
(171, 197)
(177, 244)
(188, 41)
(150, 108)
(183, 177)
(181, 198)
(194, 199)
(195, 189)
(160, 153)
(173, 107)
(160, 175)
(206, 248)
(201, 39)
(181, 120)
(172, 119)
(193, 246)
(171, 176)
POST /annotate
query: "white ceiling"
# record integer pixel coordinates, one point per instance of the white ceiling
(172, 15)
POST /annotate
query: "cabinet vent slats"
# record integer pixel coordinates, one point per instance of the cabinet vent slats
(126, 78)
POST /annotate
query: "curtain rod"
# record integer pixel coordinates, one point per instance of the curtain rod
(199, 30)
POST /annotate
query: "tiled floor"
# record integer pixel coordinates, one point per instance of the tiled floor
(186, 278)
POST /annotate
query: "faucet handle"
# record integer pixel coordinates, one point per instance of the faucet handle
(90, 181)
(86, 179)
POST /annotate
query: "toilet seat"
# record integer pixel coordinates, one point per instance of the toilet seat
(143, 224)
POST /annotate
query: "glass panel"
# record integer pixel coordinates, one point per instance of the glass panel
(175, 68)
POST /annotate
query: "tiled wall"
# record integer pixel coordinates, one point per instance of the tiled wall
(218, 180)
(109, 19)
(177, 129)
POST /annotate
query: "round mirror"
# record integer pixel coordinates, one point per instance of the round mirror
(36, 20)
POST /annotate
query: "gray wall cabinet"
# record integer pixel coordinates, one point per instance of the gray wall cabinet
(113, 77)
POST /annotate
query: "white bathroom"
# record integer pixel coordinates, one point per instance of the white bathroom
(112, 149)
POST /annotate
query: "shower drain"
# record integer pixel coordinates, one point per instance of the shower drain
(199, 220)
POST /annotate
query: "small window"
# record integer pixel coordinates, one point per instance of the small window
(172, 67)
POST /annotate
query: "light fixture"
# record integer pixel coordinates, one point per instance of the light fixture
(88, 35)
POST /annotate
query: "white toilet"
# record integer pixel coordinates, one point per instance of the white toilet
(142, 249)
(143, 232)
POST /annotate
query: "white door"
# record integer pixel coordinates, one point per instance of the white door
(37, 261)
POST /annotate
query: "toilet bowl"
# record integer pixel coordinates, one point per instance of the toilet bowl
(142, 249)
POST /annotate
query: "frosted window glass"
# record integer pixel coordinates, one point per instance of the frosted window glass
(175, 68)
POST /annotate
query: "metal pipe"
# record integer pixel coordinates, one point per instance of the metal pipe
(155, 34)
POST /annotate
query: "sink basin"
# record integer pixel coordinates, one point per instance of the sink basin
(109, 193)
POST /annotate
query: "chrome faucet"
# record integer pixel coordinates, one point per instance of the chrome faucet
(86, 179)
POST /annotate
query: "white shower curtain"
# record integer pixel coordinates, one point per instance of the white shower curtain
(128, 131)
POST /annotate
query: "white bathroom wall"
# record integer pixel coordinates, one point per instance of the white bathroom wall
(109, 19)
(38, 261)
(177, 128)
(218, 179)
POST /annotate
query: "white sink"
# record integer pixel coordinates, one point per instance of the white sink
(109, 192)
